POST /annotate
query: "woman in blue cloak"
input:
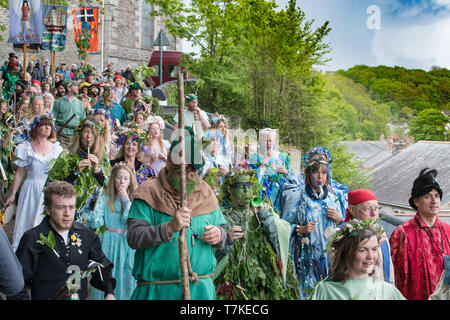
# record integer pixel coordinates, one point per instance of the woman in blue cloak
(319, 209)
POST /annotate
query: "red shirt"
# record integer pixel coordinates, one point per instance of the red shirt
(417, 254)
(25, 12)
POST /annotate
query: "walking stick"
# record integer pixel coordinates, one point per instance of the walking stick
(182, 246)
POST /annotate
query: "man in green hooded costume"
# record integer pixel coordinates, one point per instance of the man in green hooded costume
(154, 222)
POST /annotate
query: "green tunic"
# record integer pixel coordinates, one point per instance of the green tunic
(356, 289)
(161, 262)
(63, 109)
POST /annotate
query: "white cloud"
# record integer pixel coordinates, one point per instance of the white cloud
(442, 2)
(415, 46)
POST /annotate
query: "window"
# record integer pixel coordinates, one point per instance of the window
(173, 71)
(147, 31)
(156, 67)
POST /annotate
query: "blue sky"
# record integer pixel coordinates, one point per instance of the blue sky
(414, 34)
(411, 34)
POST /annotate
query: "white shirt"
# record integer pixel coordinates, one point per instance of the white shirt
(189, 118)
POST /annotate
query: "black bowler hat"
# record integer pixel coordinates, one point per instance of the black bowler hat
(423, 184)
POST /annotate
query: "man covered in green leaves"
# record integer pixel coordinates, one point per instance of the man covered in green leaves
(254, 263)
(154, 222)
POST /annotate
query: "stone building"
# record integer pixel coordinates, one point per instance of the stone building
(126, 36)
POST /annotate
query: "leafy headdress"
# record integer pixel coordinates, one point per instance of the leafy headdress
(234, 176)
(353, 228)
(89, 122)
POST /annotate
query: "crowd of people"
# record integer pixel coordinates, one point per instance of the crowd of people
(97, 191)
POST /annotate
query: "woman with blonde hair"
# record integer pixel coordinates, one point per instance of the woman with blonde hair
(48, 101)
(111, 212)
(220, 123)
(139, 118)
(85, 165)
(103, 119)
(157, 148)
(88, 144)
(35, 108)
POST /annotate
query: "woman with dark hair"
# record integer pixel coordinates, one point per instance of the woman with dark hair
(35, 157)
(131, 141)
(355, 247)
(319, 209)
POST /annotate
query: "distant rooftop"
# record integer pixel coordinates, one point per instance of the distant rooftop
(370, 153)
(392, 180)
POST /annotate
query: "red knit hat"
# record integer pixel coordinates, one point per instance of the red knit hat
(359, 196)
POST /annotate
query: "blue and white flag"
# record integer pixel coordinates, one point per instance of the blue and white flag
(25, 21)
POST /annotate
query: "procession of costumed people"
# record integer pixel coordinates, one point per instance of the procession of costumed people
(95, 182)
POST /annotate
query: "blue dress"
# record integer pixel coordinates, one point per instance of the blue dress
(114, 245)
(270, 180)
(309, 251)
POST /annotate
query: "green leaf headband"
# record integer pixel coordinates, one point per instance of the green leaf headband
(234, 175)
(191, 97)
(353, 228)
(89, 122)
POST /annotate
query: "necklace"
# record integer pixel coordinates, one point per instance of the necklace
(430, 234)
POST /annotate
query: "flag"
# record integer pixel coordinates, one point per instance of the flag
(85, 20)
(25, 21)
(54, 28)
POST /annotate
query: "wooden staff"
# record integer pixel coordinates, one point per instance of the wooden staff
(182, 246)
(24, 59)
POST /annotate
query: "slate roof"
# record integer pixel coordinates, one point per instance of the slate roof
(371, 153)
(392, 180)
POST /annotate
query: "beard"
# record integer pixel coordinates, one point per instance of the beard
(191, 184)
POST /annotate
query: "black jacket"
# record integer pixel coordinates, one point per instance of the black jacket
(45, 273)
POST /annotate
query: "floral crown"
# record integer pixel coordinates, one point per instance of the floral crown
(131, 130)
(158, 120)
(95, 112)
(37, 119)
(353, 228)
(90, 122)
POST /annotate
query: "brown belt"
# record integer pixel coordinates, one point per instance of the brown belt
(193, 277)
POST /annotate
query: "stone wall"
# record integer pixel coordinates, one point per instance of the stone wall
(121, 30)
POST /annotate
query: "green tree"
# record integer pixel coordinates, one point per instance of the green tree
(429, 124)
(346, 169)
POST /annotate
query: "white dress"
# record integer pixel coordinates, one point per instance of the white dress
(31, 198)
(158, 164)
